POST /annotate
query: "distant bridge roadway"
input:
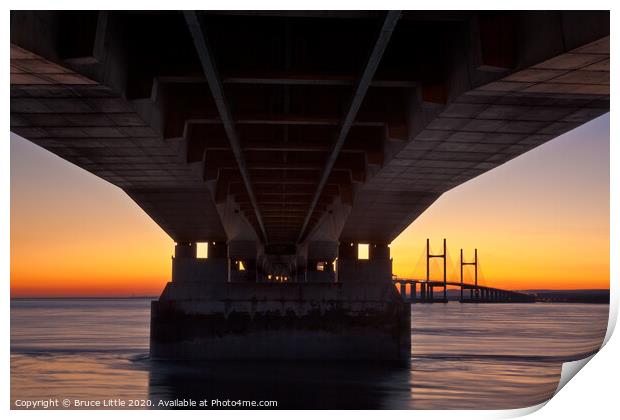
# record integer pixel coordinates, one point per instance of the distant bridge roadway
(422, 291)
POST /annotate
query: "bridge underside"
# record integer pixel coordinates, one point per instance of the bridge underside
(284, 139)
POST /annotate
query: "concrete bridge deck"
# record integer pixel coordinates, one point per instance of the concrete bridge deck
(233, 126)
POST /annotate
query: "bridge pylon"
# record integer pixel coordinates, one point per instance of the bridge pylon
(443, 256)
(475, 264)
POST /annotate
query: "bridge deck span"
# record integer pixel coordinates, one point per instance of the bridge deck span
(422, 291)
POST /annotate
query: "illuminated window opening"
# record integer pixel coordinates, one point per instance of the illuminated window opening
(202, 250)
(240, 265)
(362, 251)
(320, 266)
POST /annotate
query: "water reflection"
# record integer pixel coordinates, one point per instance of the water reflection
(463, 356)
(292, 385)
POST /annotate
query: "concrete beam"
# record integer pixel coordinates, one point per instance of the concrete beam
(368, 73)
(217, 90)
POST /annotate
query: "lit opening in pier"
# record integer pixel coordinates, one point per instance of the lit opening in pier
(202, 250)
(362, 251)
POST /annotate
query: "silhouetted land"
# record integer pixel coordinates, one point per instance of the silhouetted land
(572, 296)
(566, 296)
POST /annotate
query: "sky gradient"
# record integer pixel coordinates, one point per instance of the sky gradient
(540, 221)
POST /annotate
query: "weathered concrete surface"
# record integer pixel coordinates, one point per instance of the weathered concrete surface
(240, 321)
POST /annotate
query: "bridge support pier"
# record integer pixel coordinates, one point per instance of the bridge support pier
(321, 256)
(243, 256)
(186, 267)
(205, 315)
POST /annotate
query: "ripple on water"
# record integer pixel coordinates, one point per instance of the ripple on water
(463, 356)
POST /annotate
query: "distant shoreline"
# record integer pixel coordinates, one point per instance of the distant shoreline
(599, 296)
(589, 296)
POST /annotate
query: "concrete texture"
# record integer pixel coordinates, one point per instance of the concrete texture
(280, 321)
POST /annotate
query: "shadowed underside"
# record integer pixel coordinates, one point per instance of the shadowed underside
(291, 127)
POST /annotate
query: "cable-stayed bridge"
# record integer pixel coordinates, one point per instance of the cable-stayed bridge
(425, 290)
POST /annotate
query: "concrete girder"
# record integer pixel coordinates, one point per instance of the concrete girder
(210, 71)
(363, 84)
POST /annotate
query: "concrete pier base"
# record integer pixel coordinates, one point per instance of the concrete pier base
(280, 321)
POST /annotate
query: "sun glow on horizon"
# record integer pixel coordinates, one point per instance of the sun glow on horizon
(540, 221)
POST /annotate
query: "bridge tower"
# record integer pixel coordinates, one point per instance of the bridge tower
(475, 264)
(428, 269)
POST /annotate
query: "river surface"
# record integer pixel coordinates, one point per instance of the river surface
(464, 356)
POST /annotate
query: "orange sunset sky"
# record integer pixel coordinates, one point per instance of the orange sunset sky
(540, 221)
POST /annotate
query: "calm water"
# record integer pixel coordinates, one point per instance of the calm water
(463, 356)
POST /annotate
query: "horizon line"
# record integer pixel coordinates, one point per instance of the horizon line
(157, 296)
